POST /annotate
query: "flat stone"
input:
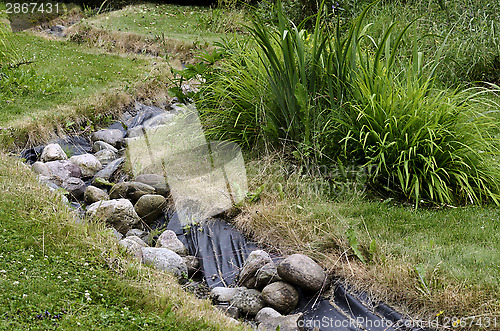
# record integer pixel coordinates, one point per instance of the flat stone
(101, 145)
(109, 169)
(156, 181)
(105, 156)
(113, 137)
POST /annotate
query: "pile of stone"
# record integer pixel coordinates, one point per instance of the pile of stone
(268, 291)
(129, 208)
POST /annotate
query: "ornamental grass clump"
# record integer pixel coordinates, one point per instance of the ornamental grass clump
(344, 95)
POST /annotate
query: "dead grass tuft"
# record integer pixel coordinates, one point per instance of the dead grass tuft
(126, 42)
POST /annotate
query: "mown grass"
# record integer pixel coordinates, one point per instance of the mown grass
(199, 25)
(59, 273)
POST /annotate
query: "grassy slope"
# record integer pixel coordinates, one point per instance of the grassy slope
(65, 73)
(48, 263)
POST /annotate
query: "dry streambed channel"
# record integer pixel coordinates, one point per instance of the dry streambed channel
(167, 195)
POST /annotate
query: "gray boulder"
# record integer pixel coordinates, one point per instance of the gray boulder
(105, 156)
(302, 271)
(256, 260)
(150, 206)
(248, 301)
(63, 169)
(165, 260)
(266, 313)
(168, 239)
(266, 275)
(93, 194)
(281, 296)
(119, 213)
(88, 164)
(130, 190)
(161, 119)
(101, 145)
(75, 187)
(53, 152)
(134, 132)
(113, 137)
(222, 294)
(137, 240)
(132, 247)
(156, 181)
(41, 168)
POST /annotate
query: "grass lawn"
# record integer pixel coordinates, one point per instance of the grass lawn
(199, 25)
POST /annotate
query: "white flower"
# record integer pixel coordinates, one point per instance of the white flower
(15, 283)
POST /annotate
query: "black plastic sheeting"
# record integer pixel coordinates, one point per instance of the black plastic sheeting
(222, 251)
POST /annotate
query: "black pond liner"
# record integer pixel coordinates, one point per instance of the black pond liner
(222, 251)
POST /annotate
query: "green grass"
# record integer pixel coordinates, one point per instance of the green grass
(200, 25)
(58, 274)
(61, 73)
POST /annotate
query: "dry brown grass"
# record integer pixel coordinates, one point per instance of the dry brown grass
(126, 42)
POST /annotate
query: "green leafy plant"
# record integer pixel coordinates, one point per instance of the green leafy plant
(353, 242)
